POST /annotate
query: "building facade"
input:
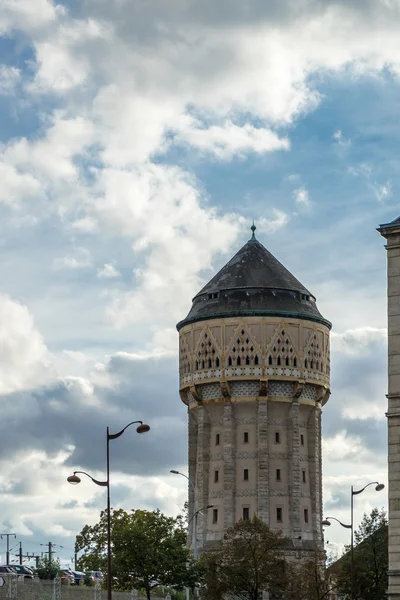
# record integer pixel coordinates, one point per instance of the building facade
(391, 231)
(254, 374)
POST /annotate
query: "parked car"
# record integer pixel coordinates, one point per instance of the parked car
(95, 575)
(23, 570)
(79, 577)
(67, 576)
(6, 570)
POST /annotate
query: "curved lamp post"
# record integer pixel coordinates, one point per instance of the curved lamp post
(378, 487)
(74, 480)
(195, 513)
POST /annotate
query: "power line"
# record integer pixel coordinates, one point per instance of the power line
(8, 535)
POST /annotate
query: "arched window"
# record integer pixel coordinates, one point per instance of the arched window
(196, 366)
(312, 364)
(247, 360)
(209, 363)
(306, 364)
(256, 360)
(317, 366)
(238, 361)
(270, 360)
(287, 361)
(202, 364)
(217, 362)
(278, 361)
(229, 361)
(295, 362)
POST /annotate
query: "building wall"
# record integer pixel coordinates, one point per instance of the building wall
(262, 415)
(392, 234)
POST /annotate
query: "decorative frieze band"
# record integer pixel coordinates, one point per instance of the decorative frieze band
(216, 495)
(245, 493)
(246, 454)
(217, 456)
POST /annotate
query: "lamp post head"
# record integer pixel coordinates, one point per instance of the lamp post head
(174, 472)
(380, 487)
(210, 506)
(143, 428)
(73, 479)
(326, 523)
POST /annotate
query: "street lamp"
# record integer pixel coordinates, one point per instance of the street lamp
(326, 522)
(378, 487)
(74, 480)
(195, 513)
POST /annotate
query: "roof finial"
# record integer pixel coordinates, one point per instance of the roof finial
(253, 228)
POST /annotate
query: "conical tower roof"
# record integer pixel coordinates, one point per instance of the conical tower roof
(253, 283)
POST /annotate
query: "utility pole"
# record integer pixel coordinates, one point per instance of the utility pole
(7, 535)
(50, 551)
(30, 555)
(20, 553)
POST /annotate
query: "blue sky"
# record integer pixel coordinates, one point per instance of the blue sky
(136, 146)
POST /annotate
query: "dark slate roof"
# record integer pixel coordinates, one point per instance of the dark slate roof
(253, 283)
(394, 223)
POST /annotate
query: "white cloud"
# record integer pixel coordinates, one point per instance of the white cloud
(340, 139)
(383, 191)
(228, 140)
(81, 259)
(24, 358)
(9, 78)
(278, 220)
(301, 197)
(28, 15)
(108, 272)
(354, 341)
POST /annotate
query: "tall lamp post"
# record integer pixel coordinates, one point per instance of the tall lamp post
(74, 480)
(195, 513)
(378, 488)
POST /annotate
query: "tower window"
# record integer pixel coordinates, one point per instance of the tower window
(306, 363)
(256, 360)
(217, 362)
(295, 362)
(303, 475)
(217, 439)
(278, 475)
(270, 360)
(246, 513)
(245, 437)
(209, 363)
(245, 475)
(238, 361)
(306, 515)
(278, 361)
(215, 515)
(277, 437)
(216, 476)
(196, 366)
(287, 361)
(202, 364)
(247, 360)
(279, 514)
(302, 439)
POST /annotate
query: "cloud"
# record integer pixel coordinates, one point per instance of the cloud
(277, 221)
(228, 140)
(108, 272)
(24, 358)
(354, 341)
(301, 197)
(340, 139)
(366, 171)
(9, 78)
(80, 260)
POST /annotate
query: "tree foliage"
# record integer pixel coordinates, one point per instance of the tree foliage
(310, 579)
(370, 560)
(148, 549)
(48, 568)
(248, 561)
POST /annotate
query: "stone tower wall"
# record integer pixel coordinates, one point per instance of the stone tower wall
(255, 422)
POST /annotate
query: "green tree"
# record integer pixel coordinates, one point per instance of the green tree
(370, 560)
(148, 549)
(248, 561)
(310, 579)
(48, 568)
